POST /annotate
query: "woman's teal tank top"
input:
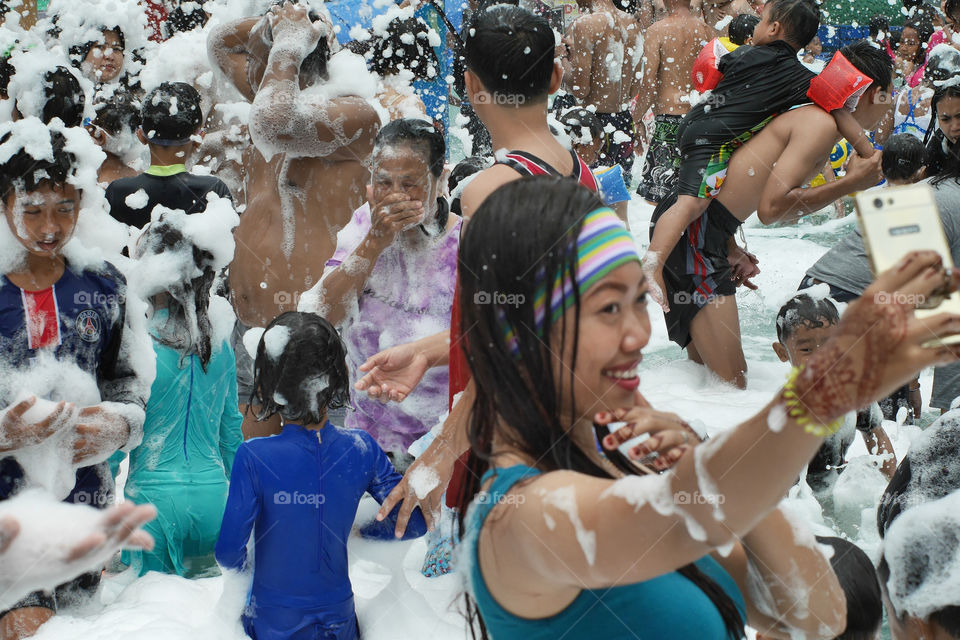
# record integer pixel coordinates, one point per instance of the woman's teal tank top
(667, 607)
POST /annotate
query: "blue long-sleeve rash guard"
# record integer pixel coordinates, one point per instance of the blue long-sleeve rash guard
(298, 492)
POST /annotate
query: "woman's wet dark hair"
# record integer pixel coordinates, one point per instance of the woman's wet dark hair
(395, 51)
(26, 171)
(943, 156)
(858, 579)
(308, 377)
(903, 157)
(930, 471)
(186, 301)
(499, 252)
(419, 134)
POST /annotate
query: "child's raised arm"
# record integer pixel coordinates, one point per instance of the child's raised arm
(851, 130)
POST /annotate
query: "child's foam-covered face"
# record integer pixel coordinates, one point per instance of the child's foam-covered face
(43, 220)
(105, 59)
(803, 342)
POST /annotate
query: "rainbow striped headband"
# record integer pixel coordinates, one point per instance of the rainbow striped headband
(604, 244)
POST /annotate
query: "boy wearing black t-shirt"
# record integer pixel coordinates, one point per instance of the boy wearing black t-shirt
(171, 119)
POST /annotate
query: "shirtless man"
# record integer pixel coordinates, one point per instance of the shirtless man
(603, 56)
(766, 175)
(306, 173)
(719, 13)
(670, 49)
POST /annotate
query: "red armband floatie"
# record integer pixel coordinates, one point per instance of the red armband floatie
(705, 74)
(839, 85)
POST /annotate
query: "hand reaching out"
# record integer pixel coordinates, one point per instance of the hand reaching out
(393, 374)
(744, 266)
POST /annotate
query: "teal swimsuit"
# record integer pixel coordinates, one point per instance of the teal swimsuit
(669, 606)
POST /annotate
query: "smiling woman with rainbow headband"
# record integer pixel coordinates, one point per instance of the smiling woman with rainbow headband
(564, 536)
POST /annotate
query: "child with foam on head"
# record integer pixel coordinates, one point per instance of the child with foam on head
(805, 323)
(297, 492)
(170, 125)
(65, 334)
(758, 82)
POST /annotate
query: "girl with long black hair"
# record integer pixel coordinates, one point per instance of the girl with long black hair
(563, 537)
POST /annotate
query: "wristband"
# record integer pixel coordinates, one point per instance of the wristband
(798, 411)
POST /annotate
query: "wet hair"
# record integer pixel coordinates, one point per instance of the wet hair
(579, 118)
(6, 73)
(309, 375)
(927, 473)
(187, 302)
(871, 61)
(800, 19)
(741, 28)
(405, 46)
(314, 65)
(942, 65)
(924, 28)
(952, 8)
(416, 133)
(903, 157)
(943, 156)
(63, 97)
(858, 579)
(161, 122)
(803, 310)
(879, 23)
(464, 169)
(118, 113)
(509, 381)
(183, 21)
(511, 51)
(23, 170)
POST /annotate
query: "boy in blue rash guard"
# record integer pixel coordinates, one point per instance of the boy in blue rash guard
(297, 492)
(66, 314)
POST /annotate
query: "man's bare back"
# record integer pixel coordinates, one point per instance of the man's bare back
(606, 49)
(670, 49)
(289, 230)
(299, 198)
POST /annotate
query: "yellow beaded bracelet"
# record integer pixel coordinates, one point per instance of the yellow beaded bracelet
(798, 412)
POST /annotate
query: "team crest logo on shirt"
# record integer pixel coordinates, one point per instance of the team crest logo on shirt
(88, 325)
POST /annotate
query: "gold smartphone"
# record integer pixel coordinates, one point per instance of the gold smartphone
(897, 220)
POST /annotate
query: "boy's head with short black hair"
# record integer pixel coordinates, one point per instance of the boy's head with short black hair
(793, 21)
(804, 324)
(511, 52)
(741, 28)
(171, 115)
(858, 579)
(904, 157)
(300, 370)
